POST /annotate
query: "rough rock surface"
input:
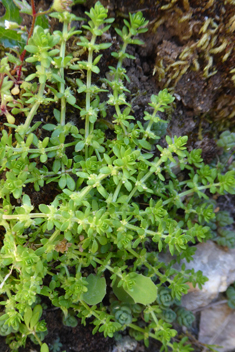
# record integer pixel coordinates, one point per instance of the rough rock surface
(218, 265)
(217, 327)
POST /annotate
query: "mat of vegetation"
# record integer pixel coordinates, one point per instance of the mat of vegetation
(101, 170)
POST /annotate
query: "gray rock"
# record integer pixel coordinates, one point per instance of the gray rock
(125, 344)
(217, 327)
(217, 264)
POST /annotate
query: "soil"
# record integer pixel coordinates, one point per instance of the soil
(204, 104)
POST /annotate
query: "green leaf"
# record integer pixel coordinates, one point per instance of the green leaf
(82, 174)
(143, 291)
(96, 290)
(43, 158)
(68, 236)
(95, 69)
(49, 127)
(44, 348)
(31, 49)
(26, 200)
(56, 165)
(97, 59)
(94, 247)
(17, 193)
(23, 6)
(71, 100)
(9, 38)
(37, 313)
(70, 183)
(121, 294)
(79, 146)
(104, 46)
(29, 140)
(44, 208)
(62, 181)
(144, 144)
(42, 21)
(27, 316)
(105, 170)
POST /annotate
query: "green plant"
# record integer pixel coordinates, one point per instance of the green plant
(221, 224)
(122, 313)
(226, 140)
(56, 346)
(230, 293)
(168, 315)
(164, 297)
(184, 316)
(117, 196)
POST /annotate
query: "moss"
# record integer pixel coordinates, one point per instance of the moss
(200, 37)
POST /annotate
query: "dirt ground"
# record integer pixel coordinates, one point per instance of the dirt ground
(197, 73)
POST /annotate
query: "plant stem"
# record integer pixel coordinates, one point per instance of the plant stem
(189, 191)
(35, 106)
(88, 94)
(117, 191)
(62, 85)
(37, 150)
(34, 15)
(144, 178)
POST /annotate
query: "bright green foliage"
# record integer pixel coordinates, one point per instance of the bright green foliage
(5, 329)
(119, 202)
(181, 346)
(39, 45)
(44, 348)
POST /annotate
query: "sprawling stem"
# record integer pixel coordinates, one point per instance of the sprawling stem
(34, 15)
(35, 106)
(62, 84)
(189, 192)
(88, 94)
(144, 178)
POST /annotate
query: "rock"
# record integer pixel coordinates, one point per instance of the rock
(217, 327)
(125, 344)
(218, 265)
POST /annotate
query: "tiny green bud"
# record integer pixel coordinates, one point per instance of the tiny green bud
(10, 118)
(11, 25)
(62, 5)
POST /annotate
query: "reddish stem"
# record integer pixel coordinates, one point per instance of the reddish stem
(1, 80)
(34, 14)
